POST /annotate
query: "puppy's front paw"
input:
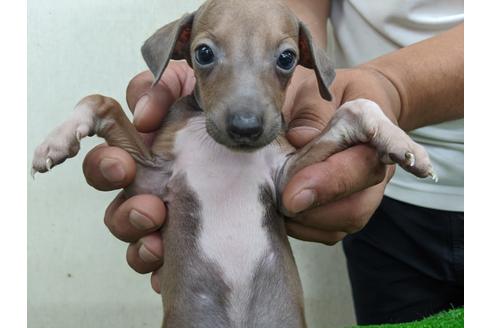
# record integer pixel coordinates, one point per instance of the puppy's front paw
(363, 120)
(397, 147)
(60, 144)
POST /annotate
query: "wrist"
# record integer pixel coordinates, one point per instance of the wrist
(392, 106)
(428, 77)
(369, 83)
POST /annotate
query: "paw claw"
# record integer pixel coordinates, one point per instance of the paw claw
(49, 163)
(33, 172)
(434, 176)
(78, 136)
(410, 159)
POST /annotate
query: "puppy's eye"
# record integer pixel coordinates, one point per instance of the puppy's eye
(286, 60)
(204, 54)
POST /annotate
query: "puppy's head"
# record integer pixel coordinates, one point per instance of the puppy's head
(243, 54)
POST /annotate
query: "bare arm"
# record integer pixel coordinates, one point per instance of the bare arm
(428, 77)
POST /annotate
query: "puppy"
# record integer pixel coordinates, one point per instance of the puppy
(220, 160)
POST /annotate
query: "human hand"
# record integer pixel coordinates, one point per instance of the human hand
(349, 185)
(137, 219)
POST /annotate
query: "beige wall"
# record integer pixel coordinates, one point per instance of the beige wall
(78, 275)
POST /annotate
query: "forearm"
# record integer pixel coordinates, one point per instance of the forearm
(314, 13)
(428, 77)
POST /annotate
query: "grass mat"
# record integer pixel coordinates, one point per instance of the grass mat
(449, 319)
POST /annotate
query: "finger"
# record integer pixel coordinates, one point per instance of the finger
(150, 104)
(301, 135)
(349, 214)
(155, 281)
(135, 217)
(302, 232)
(344, 173)
(108, 168)
(146, 255)
(308, 113)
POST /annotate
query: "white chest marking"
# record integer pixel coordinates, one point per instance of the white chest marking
(228, 187)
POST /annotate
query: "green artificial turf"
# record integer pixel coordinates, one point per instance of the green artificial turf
(450, 319)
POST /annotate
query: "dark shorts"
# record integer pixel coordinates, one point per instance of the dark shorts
(406, 264)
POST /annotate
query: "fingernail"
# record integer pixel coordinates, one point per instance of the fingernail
(112, 170)
(146, 255)
(141, 106)
(303, 200)
(140, 221)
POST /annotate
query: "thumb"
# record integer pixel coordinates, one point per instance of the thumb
(150, 104)
(342, 174)
(308, 120)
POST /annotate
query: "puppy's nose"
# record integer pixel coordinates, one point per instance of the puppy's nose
(244, 125)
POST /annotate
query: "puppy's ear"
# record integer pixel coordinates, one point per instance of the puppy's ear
(171, 41)
(311, 56)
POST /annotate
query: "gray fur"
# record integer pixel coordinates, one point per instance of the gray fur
(150, 178)
(165, 44)
(316, 58)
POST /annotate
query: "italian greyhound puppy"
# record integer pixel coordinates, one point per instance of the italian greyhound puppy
(220, 160)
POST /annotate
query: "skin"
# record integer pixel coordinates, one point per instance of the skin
(406, 84)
